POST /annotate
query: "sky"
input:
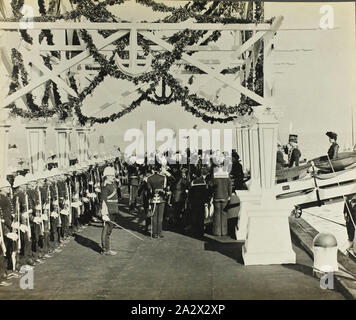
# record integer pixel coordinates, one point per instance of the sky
(314, 83)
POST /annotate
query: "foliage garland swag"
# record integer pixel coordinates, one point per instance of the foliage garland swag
(200, 107)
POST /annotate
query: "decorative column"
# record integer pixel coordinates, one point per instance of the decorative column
(63, 131)
(268, 239)
(83, 144)
(245, 156)
(36, 142)
(252, 196)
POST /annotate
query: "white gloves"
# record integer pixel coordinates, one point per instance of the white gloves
(37, 220)
(106, 218)
(15, 225)
(23, 228)
(13, 236)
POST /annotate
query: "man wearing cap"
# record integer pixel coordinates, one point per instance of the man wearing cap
(134, 182)
(334, 148)
(199, 198)
(109, 208)
(6, 216)
(157, 191)
(292, 150)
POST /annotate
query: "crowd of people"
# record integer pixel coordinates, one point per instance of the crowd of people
(39, 213)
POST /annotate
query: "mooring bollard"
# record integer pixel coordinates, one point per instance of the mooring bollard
(325, 254)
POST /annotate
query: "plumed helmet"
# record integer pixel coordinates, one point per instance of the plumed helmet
(109, 171)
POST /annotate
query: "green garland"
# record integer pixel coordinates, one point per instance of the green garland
(217, 12)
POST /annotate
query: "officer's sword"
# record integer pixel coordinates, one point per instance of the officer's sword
(115, 224)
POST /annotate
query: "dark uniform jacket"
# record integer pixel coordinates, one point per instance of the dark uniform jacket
(221, 188)
(6, 213)
(199, 191)
(157, 184)
(133, 174)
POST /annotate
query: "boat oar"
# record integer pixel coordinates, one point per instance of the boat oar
(316, 185)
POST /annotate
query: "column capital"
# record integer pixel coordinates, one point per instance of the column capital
(266, 115)
(35, 123)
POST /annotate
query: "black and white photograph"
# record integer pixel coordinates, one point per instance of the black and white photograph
(192, 152)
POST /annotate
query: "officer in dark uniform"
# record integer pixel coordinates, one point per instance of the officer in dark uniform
(350, 217)
(157, 190)
(109, 208)
(6, 244)
(199, 197)
(134, 182)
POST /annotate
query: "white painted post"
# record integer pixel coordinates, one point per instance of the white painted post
(36, 142)
(4, 132)
(268, 239)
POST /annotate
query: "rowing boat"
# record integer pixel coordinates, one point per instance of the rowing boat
(343, 161)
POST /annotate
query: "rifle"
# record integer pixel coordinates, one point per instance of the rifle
(28, 218)
(41, 212)
(2, 242)
(58, 211)
(49, 208)
(69, 192)
(18, 221)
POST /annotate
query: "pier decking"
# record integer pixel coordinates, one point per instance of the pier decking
(175, 267)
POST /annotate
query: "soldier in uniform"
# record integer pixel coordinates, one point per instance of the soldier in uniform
(350, 217)
(22, 207)
(55, 210)
(179, 187)
(109, 208)
(134, 182)
(36, 222)
(6, 244)
(44, 190)
(157, 190)
(64, 204)
(199, 198)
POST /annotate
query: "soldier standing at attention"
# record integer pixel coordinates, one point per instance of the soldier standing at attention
(199, 196)
(133, 174)
(157, 184)
(109, 208)
(22, 207)
(334, 148)
(6, 243)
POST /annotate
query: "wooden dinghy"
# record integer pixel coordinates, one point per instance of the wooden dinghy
(345, 160)
(294, 173)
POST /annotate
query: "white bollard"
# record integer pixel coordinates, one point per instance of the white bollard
(325, 253)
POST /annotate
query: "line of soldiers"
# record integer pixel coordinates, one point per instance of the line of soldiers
(40, 213)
